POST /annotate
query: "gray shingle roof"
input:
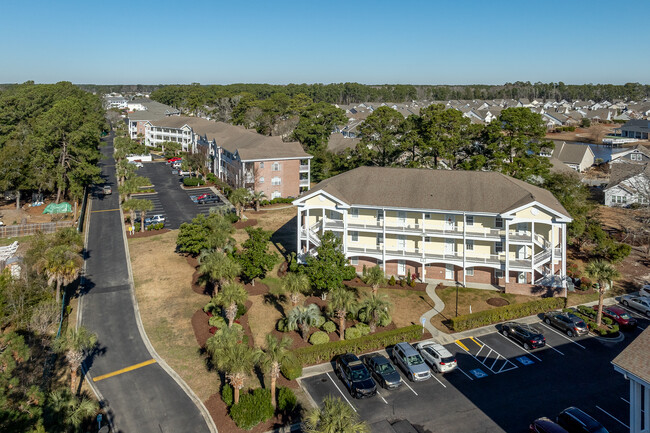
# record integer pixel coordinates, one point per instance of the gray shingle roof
(570, 153)
(624, 171)
(635, 359)
(447, 190)
(155, 111)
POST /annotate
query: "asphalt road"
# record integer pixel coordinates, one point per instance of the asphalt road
(500, 387)
(145, 399)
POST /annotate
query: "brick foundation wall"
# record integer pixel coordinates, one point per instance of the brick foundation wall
(532, 290)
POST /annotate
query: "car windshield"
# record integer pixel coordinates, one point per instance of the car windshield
(359, 374)
(580, 324)
(385, 368)
(414, 360)
(625, 316)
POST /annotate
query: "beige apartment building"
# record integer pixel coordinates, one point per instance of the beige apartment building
(464, 226)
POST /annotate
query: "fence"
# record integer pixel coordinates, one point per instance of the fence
(30, 229)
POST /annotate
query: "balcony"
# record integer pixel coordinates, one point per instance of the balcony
(304, 169)
(521, 236)
(304, 182)
(429, 256)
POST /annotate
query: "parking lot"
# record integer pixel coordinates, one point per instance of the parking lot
(172, 201)
(501, 387)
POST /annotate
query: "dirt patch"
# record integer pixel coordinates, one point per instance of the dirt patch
(497, 302)
(242, 224)
(201, 327)
(263, 314)
(147, 233)
(594, 134)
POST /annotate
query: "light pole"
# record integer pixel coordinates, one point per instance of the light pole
(457, 284)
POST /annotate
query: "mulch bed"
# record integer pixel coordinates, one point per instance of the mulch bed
(147, 233)
(257, 289)
(201, 327)
(242, 224)
(498, 302)
(357, 282)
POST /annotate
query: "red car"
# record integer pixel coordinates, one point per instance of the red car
(618, 315)
(174, 159)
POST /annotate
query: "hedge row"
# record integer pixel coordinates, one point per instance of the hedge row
(509, 312)
(325, 352)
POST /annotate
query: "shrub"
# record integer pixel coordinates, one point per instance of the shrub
(319, 337)
(193, 181)
(384, 320)
(212, 178)
(352, 333)
(252, 409)
(364, 270)
(329, 326)
(287, 401)
(585, 283)
(282, 325)
(349, 273)
(241, 310)
(292, 368)
(363, 329)
(392, 280)
(232, 217)
(412, 283)
(157, 226)
(325, 352)
(509, 312)
(320, 321)
(212, 308)
(402, 283)
(217, 321)
(227, 394)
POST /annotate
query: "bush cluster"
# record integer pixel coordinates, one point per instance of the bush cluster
(325, 352)
(329, 327)
(276, 200)
(157, 226)
(349, 273)
(227, 394)
(319, 337)
(352, 333)
(509, 312)
(292, 369)
(589, 316)
(193, 181)
(252, 409)
(287, 401)
(282, 325)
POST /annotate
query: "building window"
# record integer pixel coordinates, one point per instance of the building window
(498, 222)
(401, 267)
(619, 199)
(354, 212)
(498, 247)
(261, 180)
(498, 273)
(469, 245)
(470, 220)
(354, 236)
(276, 166)
(276, 194)
(469, 272)
(354, 261)
(635, 156)
(427, 239)
(427, 216)
(261, 165)
(380, 215)
(276, 181)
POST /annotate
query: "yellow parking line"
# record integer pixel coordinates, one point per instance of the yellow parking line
(123, 370)
(477, 343)
(104, 210)
(462, 345)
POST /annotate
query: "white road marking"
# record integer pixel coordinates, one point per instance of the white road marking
(461, 370)
(562, 335)
(434, 376)
(382, 397)
(520, 347)
(506, 360)
(554, 349)
(337, 387)
(612, 416)
(407, 384)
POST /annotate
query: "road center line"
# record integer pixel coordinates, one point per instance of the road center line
(337, 387)
(562, 335)
(520, 347)
(124, 370)
(104, 210)
(612, 416)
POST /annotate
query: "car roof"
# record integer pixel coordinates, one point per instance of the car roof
(549, 426)
(582, 417)
(407, 348)
(379, 359)
(442, 350)
(615, 309)
(348, 358)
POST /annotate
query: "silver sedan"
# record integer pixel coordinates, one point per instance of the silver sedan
(639, 303)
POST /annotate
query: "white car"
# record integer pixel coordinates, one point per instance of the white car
(639, 303)
(156, 219)
(437, 356)
(136, 163)
(645, 290)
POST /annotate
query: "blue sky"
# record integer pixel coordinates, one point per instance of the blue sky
(309, 41)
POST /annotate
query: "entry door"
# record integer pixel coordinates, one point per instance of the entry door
(450, 245)
(521, 278)
(450, 222)
(449, 272)
(521, 252)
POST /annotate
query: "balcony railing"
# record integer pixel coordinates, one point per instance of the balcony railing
(304, 182)
(304, 168)
(417, 253)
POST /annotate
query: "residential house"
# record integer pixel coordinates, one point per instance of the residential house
(577, 156)
(638, 154)
(636, 128)
(118, 102)
(153, 111)
(465, 226)
(633, 363)
(628, 184)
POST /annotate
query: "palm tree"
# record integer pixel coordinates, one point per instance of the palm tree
(74, 344)
(62, 265)
(257, 197)
(334, 417)
(229, 297)
(71, 411)
(220, 232)
(343, 302)
(294, 284)
(603, 272)
(375, 277)
(131, 206)
(218, 267)
(275, 354)
(236, 361)
(143, 206)
(376, 307)
(222, 338)
(303, 318)
(239, 198)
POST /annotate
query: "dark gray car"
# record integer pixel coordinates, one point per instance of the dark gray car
(383, 371)
(566, 322)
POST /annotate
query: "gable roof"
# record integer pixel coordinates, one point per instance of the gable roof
(450, 190)
(635, 358)
(571, 153)
(623, 172)
(154, 111)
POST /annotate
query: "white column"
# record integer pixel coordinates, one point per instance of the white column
(464, 248)
(646, 409)
(532, 257)
(299, 224)
(635, 407)
(322, 224)
(308, 230)
(383, 243)
(507, 249)
(552, 249)
(308, 174)
(563, 246)
(345, 231)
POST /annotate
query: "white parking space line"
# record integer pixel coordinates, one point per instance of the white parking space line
(548, 344)
(613, 417)
(562, 335)
(505, 360)
(407, 384)
(337, 387)
(503, 336)
(462, 371)
(626, 401)
(382, 397)
(434, 376)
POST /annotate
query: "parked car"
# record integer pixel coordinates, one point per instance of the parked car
(210, 198)
(639, 303)
(156, 219)
(383, 371)
(174, 171)
(182, 172)
(138, 164)
(355, 376)
(195, 198)
(618, 315)
(174, 159)
(437, 356)
(528, 337)
(566, 322)
(106, 190)
(645, 290)
(545, 425)
(410, 361)
(574, 420)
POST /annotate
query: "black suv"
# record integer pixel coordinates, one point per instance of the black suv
(525, 335)
(212, 198)
(576, 421)
(567, 322)
(355, 376)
